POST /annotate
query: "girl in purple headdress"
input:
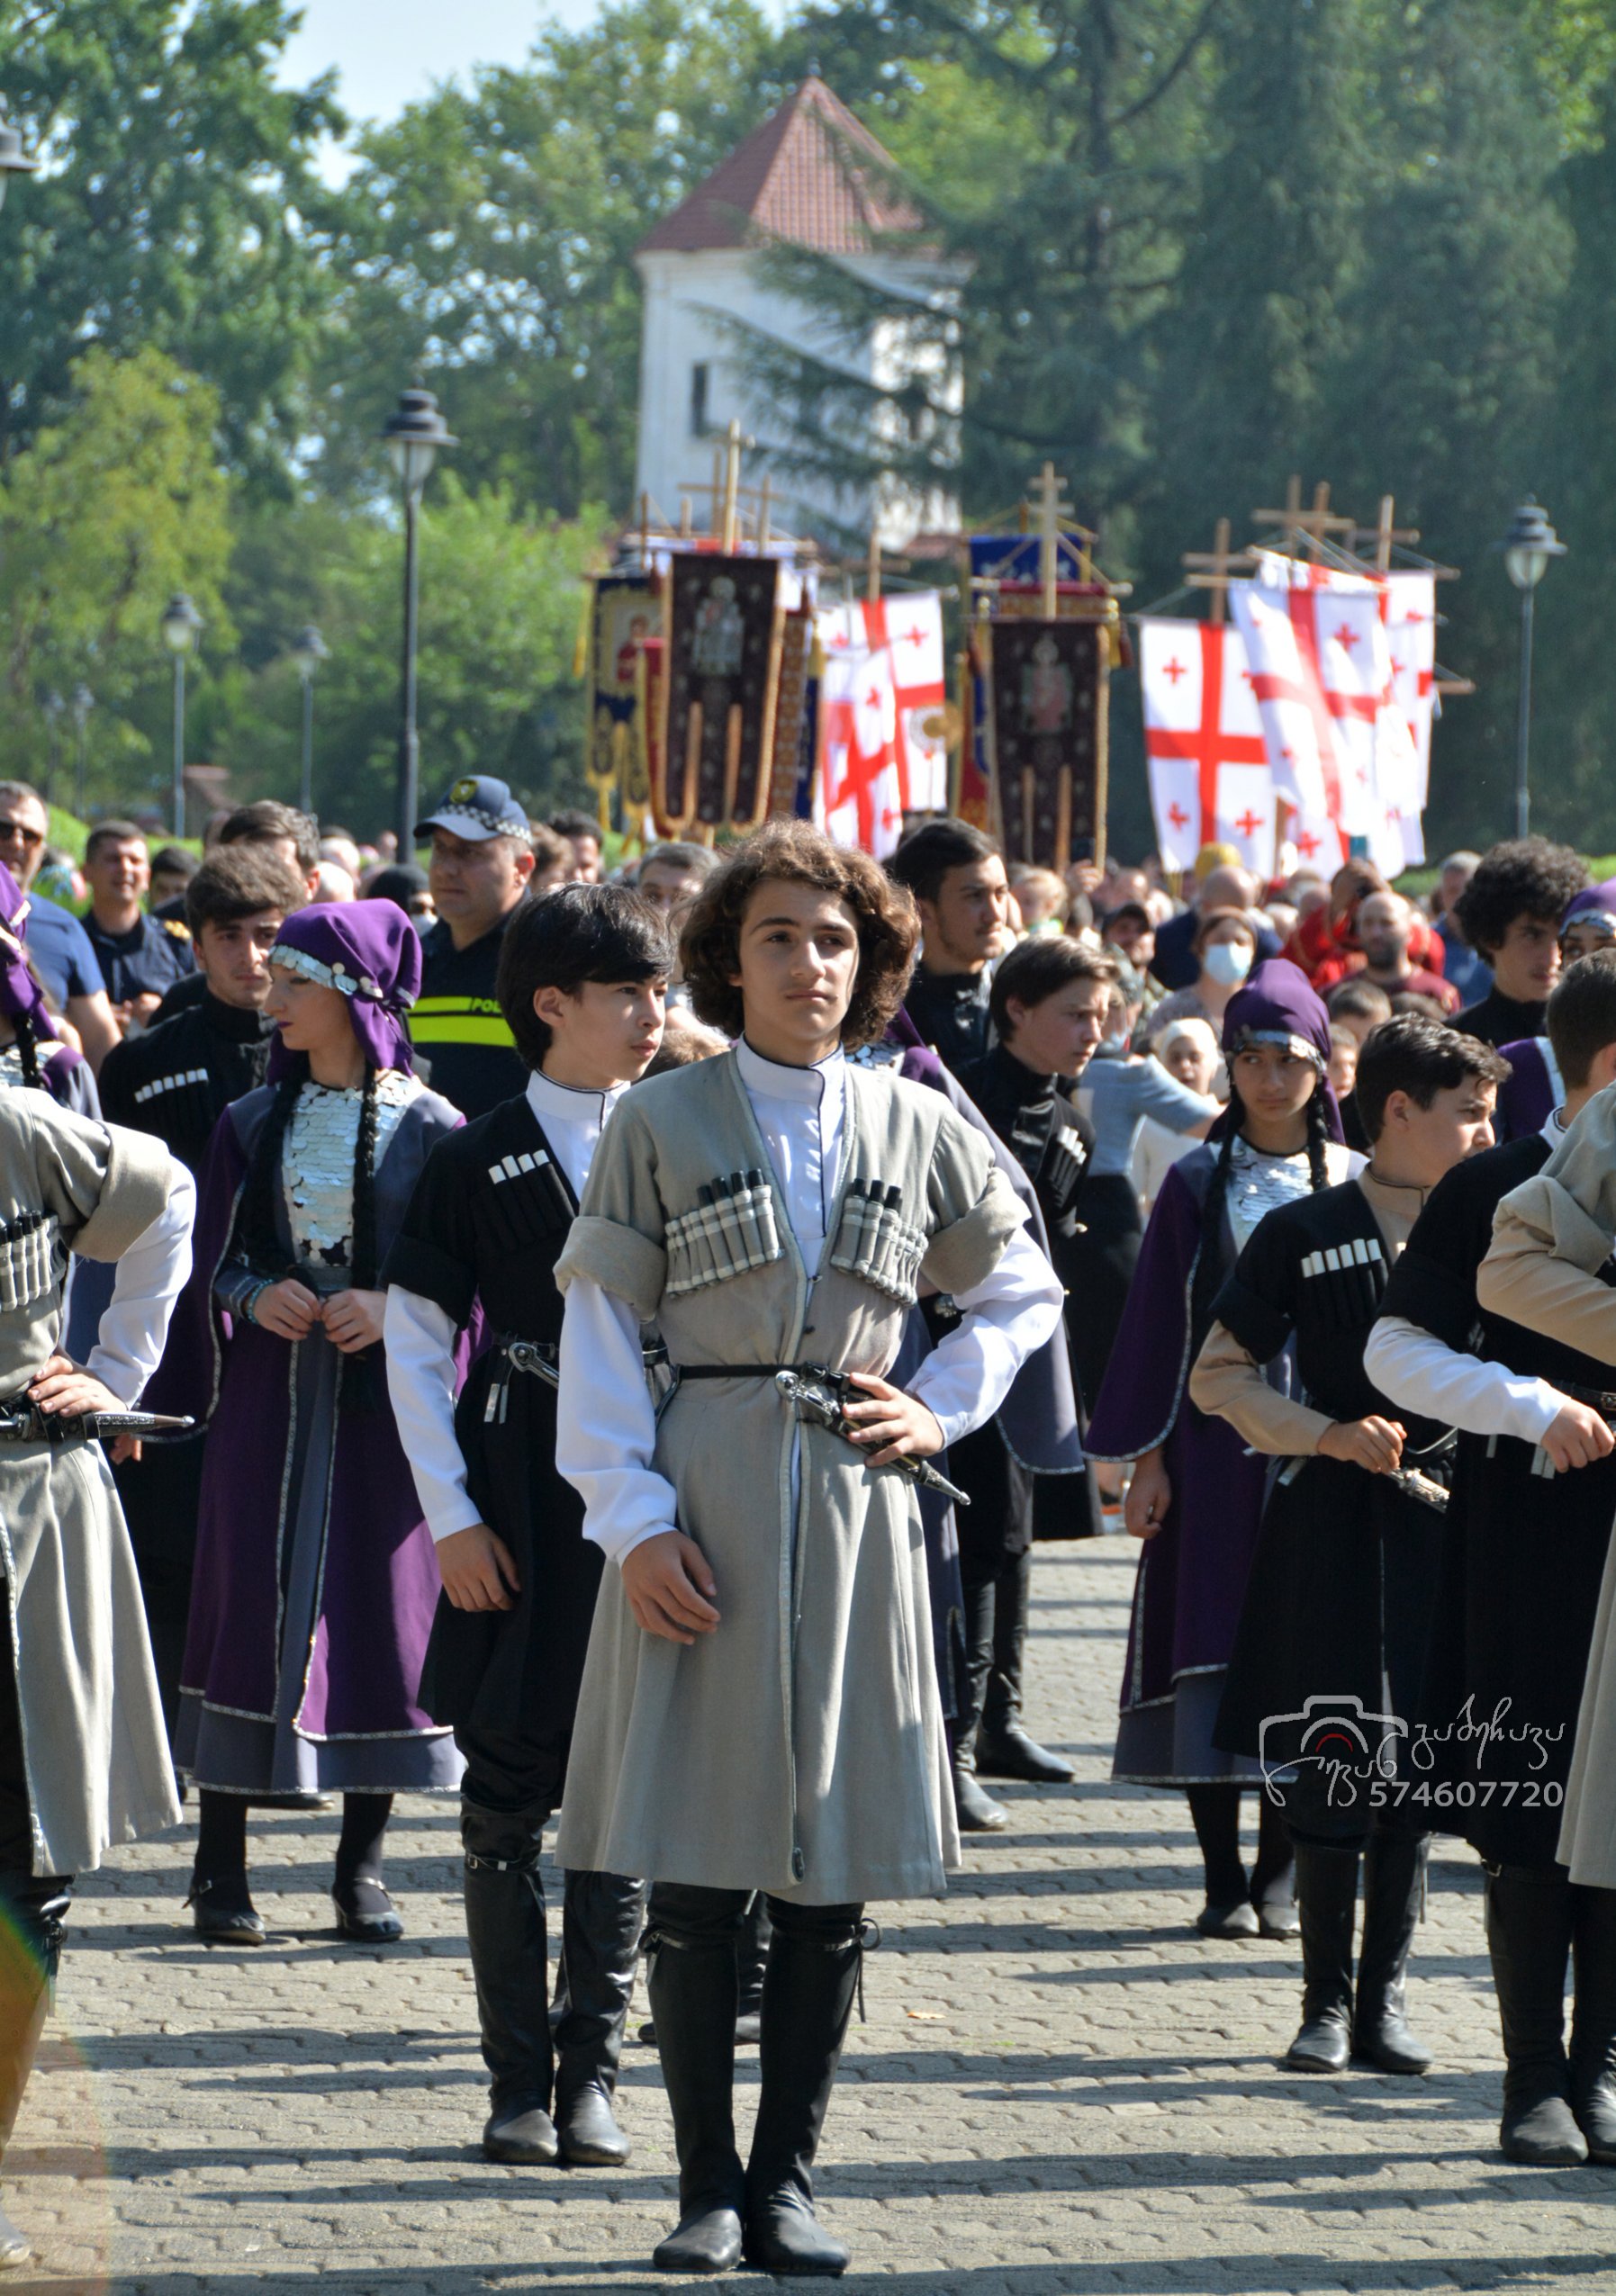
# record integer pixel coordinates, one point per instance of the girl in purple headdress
(316, 1578)
(1195, 1499)
(31, 1052)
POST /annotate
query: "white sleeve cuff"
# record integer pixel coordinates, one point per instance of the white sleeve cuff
(419, 1343)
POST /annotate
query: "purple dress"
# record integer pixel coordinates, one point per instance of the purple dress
(1191, 1579)
(316, 1579)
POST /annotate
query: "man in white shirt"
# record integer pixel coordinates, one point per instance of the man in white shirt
(582, 983)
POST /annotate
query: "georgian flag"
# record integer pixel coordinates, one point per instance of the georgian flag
(882, 697)
(1210, 778)
(1342, 755)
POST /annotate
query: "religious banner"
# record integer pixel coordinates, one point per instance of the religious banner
(722, 618)
(884, 698)
(970, 795)
(1341, 750)
(796, 716)
(1208, 762)
(625, 613)
(1047, 692)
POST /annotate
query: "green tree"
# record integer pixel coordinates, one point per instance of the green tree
(172, 215)
(486, 242)
(101, 518)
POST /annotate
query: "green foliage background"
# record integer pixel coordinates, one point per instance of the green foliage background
(1210, 242)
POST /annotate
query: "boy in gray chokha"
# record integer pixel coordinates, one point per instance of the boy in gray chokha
(760, 1709)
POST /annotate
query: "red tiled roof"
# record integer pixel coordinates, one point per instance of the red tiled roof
(796, 178)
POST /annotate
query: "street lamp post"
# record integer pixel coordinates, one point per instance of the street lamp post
(81, 704)
(182, 627)
(1527, 547)
(13, 161)
(52, 706)
(309, 650)
(414, 432)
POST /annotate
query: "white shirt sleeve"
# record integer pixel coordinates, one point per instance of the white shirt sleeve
(968, 1374)
(606, 1426)
(150, 1276)
(1413, 1369)
(418, 1339)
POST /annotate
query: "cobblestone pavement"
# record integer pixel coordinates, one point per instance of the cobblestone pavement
(1059, 2087)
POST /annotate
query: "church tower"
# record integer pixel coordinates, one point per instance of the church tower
(810, 176)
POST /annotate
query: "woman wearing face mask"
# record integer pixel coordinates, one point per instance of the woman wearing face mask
(1225, 950)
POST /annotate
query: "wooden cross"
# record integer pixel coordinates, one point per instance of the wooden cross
(1383, 533)
(1051, 509)
(1313, 525)
(726, 492)
(876, 561)
(1215, 571)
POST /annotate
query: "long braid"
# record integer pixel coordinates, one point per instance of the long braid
(28, 1053)
(260, 1242)
(1318, 1164)
(1209, 1257)
(359, 1389)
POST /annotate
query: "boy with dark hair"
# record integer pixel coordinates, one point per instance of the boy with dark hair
(581, 832)
(175, 1081)
(582, 983)
(1509, 913)
(958, 882)
(1528, 1530)
(1327, 1660)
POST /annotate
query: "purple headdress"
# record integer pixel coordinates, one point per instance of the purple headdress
(1278, 1006)
(370, 952)
(21, 999)
(1594, 900)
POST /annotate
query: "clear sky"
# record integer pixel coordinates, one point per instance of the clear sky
(389, 52)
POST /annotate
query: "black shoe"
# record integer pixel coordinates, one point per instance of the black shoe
(1277, 1917)
(1529, 1920)
(1394, 1900)
(707, 2240)
(1239, 1920)
(14, 2250)
(1594, 2019)
(694, 1986)
(521, 2136)
(975, 1810)
(222, 1914)
(748, 2029)
(366, 1912)
(1011, 1753)
(808, 1999)
(586, 2130)
(1327, 1903)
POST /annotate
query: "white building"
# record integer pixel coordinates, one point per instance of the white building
(795, 181)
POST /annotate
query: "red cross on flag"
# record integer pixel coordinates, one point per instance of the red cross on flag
(1320, 659)
(1410, 628)
(1210, 778)
(881, 702)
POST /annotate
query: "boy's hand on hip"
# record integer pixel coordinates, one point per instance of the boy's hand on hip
(893, 1424)
(670, 1587)
(477, 1569)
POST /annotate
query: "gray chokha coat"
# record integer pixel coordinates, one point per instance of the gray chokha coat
(95, 1750)
(800, 1747)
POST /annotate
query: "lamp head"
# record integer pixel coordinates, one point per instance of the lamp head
(13, 161)
(413, 432)
(1530, 544)
(309, 650)
(182, 623)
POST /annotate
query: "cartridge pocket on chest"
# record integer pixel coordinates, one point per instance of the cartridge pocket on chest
(730, 1230)
(1344, 1285)
(28, 1259)
(527, 1198)
(875, 1242)
(1064, 1167)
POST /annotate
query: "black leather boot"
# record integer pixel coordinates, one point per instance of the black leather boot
(808, 1998)
(1529, 1920)
(1003, 1748)
(602, 1915)
(753, 1960)
(1393, 1901)
(1327, 1902)
(28, 1956)
(975, 1810)
(505, 1929)
(222, 1908)
(1594, 2019)
(692, 1984)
